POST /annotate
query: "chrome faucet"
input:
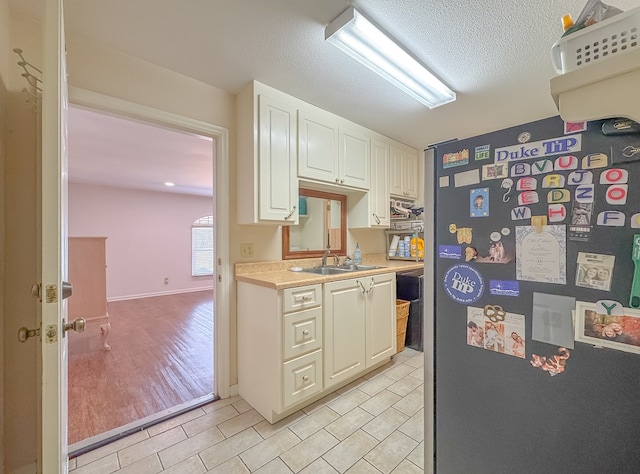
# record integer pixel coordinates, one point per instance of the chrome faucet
(324, 257)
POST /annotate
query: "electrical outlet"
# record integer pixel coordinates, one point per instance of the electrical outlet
(166, 280)
(246, 250)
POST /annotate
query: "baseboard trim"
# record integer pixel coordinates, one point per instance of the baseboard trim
(161, 293)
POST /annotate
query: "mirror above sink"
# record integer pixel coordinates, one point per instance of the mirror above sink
(322, 225)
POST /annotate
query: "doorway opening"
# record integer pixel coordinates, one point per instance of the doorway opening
(139, 187)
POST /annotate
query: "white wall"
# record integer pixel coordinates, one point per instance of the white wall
(148, 237)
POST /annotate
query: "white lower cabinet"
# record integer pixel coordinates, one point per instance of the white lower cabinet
(279, 346)
(359, 325)
(298, 344)
(302, 377)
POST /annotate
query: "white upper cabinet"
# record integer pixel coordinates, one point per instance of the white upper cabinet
(318, 149)
(380, 213)
(283, 141)
(354, 158)
(331, 151)
(372, 209)
(267, 181)
(403, 172)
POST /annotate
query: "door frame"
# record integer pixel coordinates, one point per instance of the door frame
(222, 277)
(52, 246)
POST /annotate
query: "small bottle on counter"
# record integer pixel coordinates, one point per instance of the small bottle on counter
(357, 256)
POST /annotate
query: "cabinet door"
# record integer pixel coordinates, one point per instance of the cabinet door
(395, 172)
(379, 192)
(354, 158)
(278, 188)
(381, 318)
(317, 147)
(410, 174)
(403, 172)
(344, 331)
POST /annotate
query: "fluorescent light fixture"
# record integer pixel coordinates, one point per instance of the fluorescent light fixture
(354, 34)
(169, 184)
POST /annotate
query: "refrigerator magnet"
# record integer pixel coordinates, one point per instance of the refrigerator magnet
(505, 335)
(464, 235)
(463, 284)
(450, 251)
(470, 254)
(553, 365)
(479, 202)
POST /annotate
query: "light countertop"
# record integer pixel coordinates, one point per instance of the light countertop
(277, 274)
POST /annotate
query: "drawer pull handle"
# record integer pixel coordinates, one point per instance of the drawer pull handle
(293, 210)
(305, 378)
(307, 298)
(305, 332)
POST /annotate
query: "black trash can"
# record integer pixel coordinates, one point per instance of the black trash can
(410, 287)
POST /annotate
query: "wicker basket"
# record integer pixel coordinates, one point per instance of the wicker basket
(402, 315)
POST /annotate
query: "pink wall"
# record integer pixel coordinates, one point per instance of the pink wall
(148, 237)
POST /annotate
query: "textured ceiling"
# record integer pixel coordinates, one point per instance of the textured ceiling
(493, 53)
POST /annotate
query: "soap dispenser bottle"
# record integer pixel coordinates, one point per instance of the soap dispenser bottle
(357, 256)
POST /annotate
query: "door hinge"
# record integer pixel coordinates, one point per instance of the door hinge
(52, 293)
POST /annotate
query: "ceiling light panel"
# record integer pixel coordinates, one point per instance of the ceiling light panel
(355, 35)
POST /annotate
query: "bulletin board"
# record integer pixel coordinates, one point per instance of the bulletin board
(537, 343)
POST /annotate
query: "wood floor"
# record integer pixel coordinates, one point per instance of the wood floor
(161, 356)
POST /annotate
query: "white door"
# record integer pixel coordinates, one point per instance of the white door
(53, 415)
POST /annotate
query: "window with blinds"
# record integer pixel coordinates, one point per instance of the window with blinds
(202, 246)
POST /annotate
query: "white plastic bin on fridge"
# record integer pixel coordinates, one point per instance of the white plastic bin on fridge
(612, 37)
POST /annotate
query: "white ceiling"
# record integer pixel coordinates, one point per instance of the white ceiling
(114, 151)
(493, 53)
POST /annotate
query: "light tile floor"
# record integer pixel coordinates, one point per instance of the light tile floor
(373, 425)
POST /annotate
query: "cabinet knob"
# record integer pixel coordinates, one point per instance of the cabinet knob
(305, 332)
(337, 180)
(305, 378)
(342, 181)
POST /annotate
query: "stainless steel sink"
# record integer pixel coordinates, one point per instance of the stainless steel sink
(358, 267)
(339, 270)
(325, 270)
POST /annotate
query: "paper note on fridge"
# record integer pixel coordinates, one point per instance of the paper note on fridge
(551, 319)
(542, 256)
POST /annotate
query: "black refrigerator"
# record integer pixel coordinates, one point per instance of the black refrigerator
(537, 319)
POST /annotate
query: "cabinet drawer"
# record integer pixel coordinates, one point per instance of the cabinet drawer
(302, 378)
(303, 297)
(302, 332)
